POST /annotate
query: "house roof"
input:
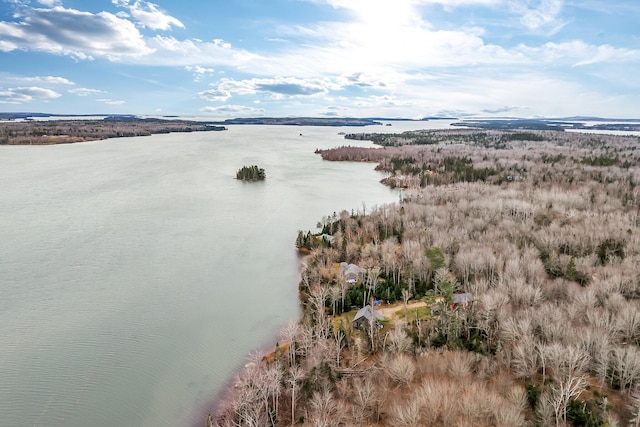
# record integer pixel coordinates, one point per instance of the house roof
(350, 271)
(367, 312)
(462, 298)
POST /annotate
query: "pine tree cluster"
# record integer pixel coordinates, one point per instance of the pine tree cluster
(251, 173)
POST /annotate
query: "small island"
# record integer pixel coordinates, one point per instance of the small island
(251, 173)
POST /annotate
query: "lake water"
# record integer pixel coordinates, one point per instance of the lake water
(137, 274)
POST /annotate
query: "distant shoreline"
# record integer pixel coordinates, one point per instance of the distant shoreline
(52, 129)
(300, 121)
(53, 132)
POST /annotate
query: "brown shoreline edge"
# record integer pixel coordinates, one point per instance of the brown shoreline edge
(210, 409)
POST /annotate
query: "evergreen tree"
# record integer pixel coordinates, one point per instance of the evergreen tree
(251, 173)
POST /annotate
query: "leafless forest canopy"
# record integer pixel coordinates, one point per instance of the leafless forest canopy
(546, 240)
(69, 131)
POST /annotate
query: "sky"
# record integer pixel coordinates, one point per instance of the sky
(322, 58)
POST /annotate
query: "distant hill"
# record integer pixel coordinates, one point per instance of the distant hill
(502, 123)
(595, 119)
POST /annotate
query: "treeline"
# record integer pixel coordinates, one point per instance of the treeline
(353, 154)
(407, 173)
(553, 334)
(35, 132)
(395, 139)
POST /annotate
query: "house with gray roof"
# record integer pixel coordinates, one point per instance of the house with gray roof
(365, 316)
(350, 272)
(464, 300)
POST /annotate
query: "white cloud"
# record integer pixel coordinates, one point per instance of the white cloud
(392, 13)
(50, 3)
(450, 4)
(277, 87)
(83, 91)
(534, 14)
(578, 53)
(407, 45)
(538, 14)
(45, 80)
(214, 95)
(199, 72)
(10, 36)
(111, 101)
(384, 101)
(353, 48)
(526, 93)
(19, 95)
(237, 87)
(404, 42)
(291, 86)
(169, 51)
(82, 35)
(233, 111)
(149, 15)
(606, 53)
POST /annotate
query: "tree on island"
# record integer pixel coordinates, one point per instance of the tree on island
(251, 173)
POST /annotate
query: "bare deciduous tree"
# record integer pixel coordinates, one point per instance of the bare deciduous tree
(366, 399)
(324, 410)
(398, 341)
(634, 407)
(295, 376)
(401, 368)
(564, 391)
(625, 367)
(317, 297)
(406, 412)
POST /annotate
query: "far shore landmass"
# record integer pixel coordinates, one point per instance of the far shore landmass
(50, 129)
(50, 132)
(44, 129)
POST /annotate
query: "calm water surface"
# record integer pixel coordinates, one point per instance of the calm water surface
(137, 274)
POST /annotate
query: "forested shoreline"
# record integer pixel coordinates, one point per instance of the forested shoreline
(50, 132)
(540, 232)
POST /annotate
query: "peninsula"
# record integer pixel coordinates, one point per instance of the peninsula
(49, 132)
(501, 291)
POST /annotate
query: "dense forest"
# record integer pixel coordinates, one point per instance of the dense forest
(539, 232)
